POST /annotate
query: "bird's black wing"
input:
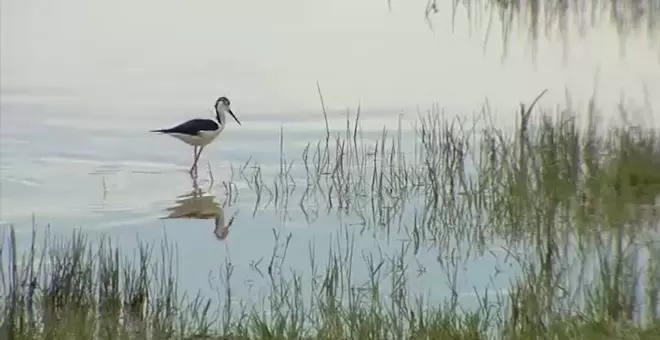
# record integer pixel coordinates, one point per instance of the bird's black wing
(192, 127)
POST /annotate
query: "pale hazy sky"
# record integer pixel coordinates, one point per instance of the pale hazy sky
(267, 56)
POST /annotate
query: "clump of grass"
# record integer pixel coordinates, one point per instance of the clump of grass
(555, 169)
(74, 288)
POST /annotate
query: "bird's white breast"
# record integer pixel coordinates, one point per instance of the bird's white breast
(202, 138)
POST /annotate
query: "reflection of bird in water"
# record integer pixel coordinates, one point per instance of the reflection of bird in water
(198, 205)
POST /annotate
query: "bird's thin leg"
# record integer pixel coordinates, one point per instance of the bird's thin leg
(194, 155)
(197, 157)
(192, 168)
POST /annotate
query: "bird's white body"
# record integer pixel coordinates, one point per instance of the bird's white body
(201, 139)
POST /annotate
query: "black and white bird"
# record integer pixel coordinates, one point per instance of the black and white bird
(200, 132)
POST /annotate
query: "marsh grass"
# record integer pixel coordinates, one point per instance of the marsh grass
(572, 206)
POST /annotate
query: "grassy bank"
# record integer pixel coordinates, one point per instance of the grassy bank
(572, 203)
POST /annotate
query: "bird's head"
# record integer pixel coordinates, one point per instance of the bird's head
(222, 104)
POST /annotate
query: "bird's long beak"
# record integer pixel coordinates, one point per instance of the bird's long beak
(232, 114)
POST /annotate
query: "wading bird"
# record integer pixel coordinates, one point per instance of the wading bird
(200, 132)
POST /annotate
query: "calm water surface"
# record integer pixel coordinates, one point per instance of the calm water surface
(112, 177)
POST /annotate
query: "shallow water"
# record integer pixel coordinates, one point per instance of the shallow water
(61, 172)
(122, 183)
